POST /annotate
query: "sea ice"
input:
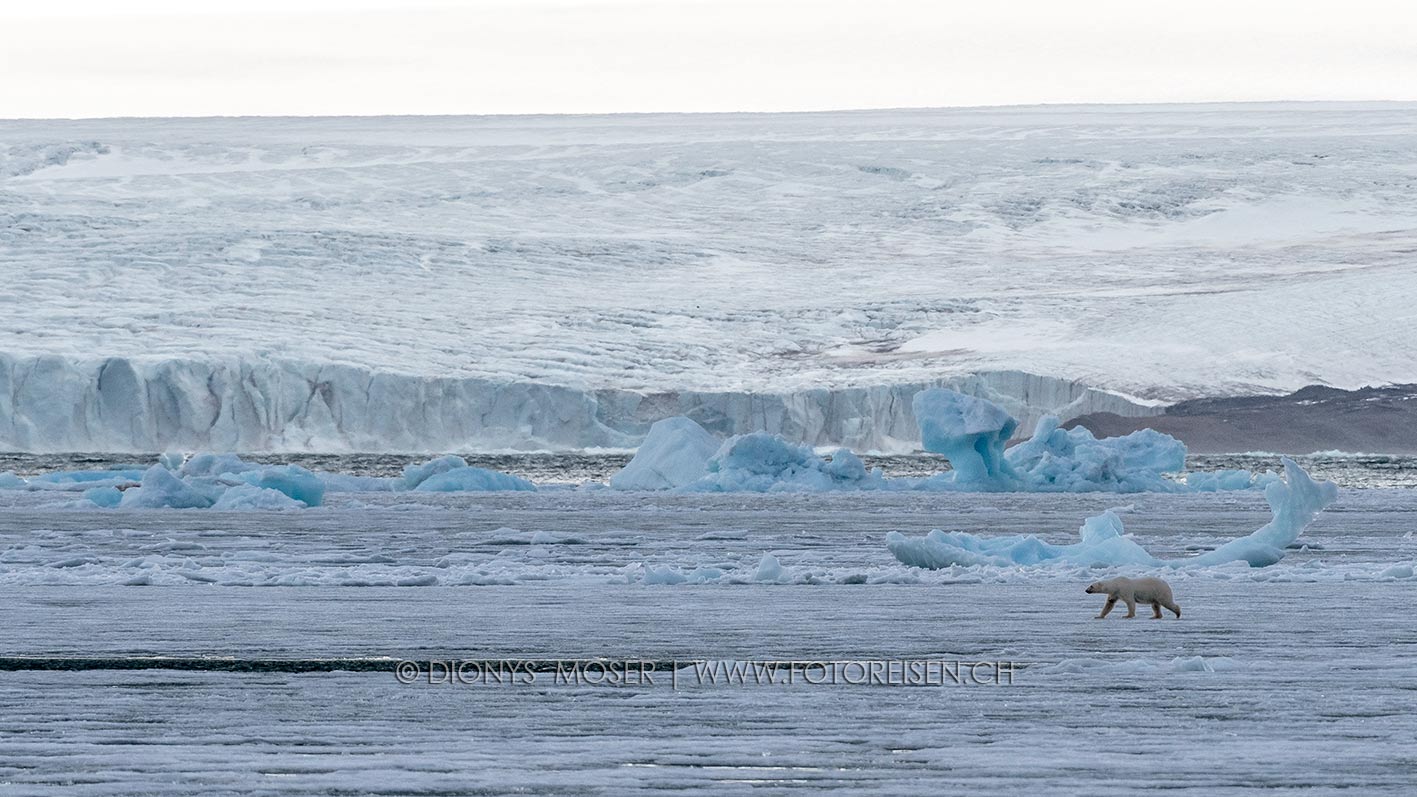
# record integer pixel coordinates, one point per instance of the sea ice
(769, 569)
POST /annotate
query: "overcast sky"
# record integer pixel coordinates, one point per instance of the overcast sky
(65, 58)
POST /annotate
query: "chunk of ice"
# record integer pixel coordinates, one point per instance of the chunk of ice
(673, 454)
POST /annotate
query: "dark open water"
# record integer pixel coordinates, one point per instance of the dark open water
(1348, 470)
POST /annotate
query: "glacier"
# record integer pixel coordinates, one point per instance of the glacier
(1295, 503)
(62, 404)
(561, 281)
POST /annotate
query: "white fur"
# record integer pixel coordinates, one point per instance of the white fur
(1133, 591)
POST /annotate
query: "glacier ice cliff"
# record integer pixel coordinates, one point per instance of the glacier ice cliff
(52, 403)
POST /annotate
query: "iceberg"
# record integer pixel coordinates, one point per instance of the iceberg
(769, 569)
(292, 481)
(970, 432)
(9, 481)
(225, 481)
(414, 475)
(762, 462)
(1295, 504)
(107, 497)
(212, 465)
(114, 475)
(470, 479)
(1073, 460)
(161, 488)
(674, 453)
(251, 496)
(452, 474)
(222, 481)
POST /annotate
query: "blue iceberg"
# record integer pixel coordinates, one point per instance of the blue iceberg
(1295, 502)
(762, 462)
(470, 479)
(674, 453)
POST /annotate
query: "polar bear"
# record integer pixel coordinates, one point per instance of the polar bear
(1134, 591)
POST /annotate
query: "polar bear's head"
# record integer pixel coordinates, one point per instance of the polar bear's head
(1096, 586)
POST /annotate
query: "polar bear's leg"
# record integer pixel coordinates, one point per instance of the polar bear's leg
(1131, 607)
(1156, 610)
(1107, 607)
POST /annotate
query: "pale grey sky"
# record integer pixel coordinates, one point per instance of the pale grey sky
(62, 58)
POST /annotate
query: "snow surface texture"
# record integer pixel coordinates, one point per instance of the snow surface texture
(1295, 505)
(1312, 679)
(154, 269)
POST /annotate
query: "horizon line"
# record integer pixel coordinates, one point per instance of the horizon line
(789, 112)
